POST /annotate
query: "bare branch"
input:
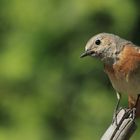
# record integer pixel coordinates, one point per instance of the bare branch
(122, 127)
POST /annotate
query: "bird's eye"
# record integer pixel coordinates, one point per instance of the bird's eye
(98, 42)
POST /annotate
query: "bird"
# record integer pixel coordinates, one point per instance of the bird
(121, 59)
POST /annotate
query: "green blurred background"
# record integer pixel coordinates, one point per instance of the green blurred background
(46, 91)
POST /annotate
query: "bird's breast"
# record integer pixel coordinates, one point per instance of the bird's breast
(125, 74)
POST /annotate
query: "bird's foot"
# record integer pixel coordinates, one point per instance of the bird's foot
(128, 113)
(132, 113)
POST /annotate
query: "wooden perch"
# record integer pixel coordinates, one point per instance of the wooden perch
(122, 127)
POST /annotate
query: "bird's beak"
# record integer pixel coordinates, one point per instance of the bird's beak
(86, 53)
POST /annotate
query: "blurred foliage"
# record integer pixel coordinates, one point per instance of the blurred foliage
(46, 91)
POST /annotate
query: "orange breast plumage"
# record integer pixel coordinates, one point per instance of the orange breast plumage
(125, 73)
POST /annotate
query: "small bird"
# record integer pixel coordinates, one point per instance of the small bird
(121, 60)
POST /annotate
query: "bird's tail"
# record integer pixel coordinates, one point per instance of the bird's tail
(134, 102)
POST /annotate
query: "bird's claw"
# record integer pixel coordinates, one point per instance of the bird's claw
(128, 113)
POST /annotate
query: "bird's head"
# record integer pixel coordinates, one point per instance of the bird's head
(104, 46)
